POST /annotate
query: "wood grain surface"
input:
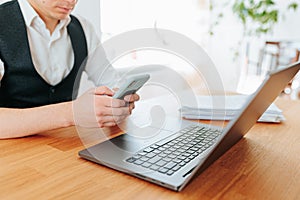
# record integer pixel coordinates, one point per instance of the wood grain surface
(263, 165)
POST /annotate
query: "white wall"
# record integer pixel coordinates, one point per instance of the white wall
(90, 9)
(189, 18)
(288, 27)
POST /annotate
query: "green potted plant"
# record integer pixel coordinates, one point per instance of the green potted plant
(257, 17)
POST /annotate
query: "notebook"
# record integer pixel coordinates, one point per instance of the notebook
(207, 110)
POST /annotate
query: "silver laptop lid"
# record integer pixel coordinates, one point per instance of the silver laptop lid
(255, 106)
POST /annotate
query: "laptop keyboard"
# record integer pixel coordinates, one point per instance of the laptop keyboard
(167, 157)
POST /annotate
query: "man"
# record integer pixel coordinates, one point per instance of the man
(42, 48)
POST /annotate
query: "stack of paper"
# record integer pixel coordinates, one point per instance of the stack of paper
(225, 108)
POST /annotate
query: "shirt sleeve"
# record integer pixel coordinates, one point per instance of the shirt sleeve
(98, 68)
(1, 70)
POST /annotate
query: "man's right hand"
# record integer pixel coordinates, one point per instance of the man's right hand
(97, 108)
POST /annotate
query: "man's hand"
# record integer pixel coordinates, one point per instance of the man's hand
(97, 108)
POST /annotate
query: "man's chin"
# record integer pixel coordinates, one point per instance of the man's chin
(62, 16)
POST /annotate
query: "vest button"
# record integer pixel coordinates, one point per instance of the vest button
(52, 90)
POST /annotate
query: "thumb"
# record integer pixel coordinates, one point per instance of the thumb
(103, 90)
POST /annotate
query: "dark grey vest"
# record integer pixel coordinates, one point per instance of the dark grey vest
(22, 86)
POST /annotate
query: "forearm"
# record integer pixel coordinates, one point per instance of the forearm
(29, 121)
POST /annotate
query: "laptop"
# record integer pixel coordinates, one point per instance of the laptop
(173, 157)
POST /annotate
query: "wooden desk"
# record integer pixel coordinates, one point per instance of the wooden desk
(263, 165)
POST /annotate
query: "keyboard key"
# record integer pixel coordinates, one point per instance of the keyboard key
(162, 155)
(167, 151)
(161, 163)
(172, 149)
(154, 159)
(185, 154)
(131, 160)
(156, 151)
(167, 159)
(155, 167)
(176, 160)
(170, 165)
(144, 159)
(137, 156)
(155, 146)
(161, 148)
(148, 150)
(190, 151)
(170, 172)
(150, 155)
(194, 149)
(176, 168)
(163, 170)
(181, 157)
(181, 150)
(142, 153)
(172, 156)
(138, 162)
(176, 153)
(146, 164)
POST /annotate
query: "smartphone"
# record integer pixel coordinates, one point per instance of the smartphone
(133, 84)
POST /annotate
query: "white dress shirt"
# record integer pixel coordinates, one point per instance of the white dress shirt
(1, 70)
(52, 54)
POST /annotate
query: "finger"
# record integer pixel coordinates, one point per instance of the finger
(107, 124)
(131, 106)
(103, 90)
(124, 111)
(112, 120)
(108, 102)
(108, 111)
(132, 97)
(106, 119)
(117, 103)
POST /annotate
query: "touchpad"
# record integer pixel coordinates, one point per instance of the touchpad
(140, 138)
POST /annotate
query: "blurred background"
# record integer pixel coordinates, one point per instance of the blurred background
(245, 39)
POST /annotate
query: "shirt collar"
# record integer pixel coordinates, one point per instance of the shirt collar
(30, 15)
